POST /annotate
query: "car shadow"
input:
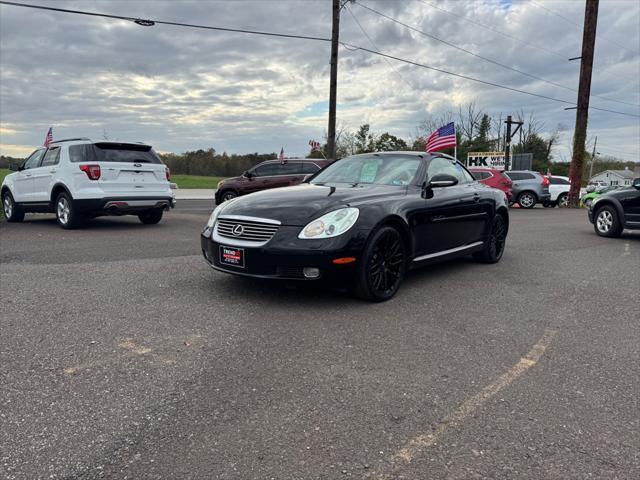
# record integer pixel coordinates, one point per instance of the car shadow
(99, 223)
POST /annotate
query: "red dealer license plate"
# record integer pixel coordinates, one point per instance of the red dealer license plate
(232, 256)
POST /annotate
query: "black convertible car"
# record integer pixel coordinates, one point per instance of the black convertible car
(362, 221)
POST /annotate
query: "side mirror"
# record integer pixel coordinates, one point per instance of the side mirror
(443, 180)
(636, 183)
(591, 188)
(247, 174)
(14, 167)
(437, 181)
(307, 177)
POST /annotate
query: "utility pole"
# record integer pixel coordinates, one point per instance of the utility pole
(507, 144)
(584, 90)
(593, 157)
(333, 83)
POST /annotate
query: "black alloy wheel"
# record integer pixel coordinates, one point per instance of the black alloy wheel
(494, 246)
(382, 267)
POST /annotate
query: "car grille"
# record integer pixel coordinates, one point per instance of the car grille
(252, 231)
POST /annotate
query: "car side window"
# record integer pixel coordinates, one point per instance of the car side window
(52, 157)
(290, 168)
(266, 170)
(440, 165)
(462, 174)
(34, 160)
(308, 167)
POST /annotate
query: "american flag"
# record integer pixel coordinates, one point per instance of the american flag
(281, 156)
(49, 138)
(444, 137)
(315, 146)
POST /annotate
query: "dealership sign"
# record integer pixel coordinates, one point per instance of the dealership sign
(486, 159)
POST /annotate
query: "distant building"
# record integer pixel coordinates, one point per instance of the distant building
(614, 177)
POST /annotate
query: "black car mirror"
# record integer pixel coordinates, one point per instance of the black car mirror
(14, 167)
(247, 174)
(443, 180)
(636, 183)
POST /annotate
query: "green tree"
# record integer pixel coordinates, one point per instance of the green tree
(364, 139)
(389, 143)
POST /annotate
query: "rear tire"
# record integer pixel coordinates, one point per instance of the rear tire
(12, 212)
(527, 200)
(607, 223)
(66, 213)
(563, 200)
(494, 246)
(382, 266)
(151, 217)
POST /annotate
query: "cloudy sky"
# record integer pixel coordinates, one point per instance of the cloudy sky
(182, 89)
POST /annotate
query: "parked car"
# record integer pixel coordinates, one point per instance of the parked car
(78, 178)
(494, 178)
(363, 221)
(269, 174)
(588, 198)
(616, 210)
(529, 187)
(559, 191)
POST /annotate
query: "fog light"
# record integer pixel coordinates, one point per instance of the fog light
(309, 272)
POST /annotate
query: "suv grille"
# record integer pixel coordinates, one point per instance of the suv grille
(246, 230)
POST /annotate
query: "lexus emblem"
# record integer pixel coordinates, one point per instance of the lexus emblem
(238, 230)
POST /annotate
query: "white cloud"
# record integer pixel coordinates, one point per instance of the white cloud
(182, 89)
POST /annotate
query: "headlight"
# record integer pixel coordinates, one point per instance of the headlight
(331, 225)
(220, 183)
(213, 217)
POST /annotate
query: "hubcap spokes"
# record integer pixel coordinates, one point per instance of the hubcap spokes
(605, 221)
(527, 200)
(63, 211)
(8, 207)
(385, 266)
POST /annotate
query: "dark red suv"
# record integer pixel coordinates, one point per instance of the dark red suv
(269, 174)
(494, 178)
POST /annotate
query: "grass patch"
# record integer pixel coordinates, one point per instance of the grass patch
(195, 181)
(3, 173)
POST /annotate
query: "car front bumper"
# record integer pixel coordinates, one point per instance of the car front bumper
(286, 257)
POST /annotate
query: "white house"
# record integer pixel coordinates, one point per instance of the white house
(614, 177)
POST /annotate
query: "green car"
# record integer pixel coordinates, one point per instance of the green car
(588, 198)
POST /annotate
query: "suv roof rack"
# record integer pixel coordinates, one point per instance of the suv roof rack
(71, 139)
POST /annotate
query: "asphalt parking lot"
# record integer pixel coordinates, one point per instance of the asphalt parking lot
(123, 355)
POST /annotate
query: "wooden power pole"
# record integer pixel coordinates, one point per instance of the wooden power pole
(584, 90)
(333, 83)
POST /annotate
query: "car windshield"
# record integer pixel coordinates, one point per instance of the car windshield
(371, 169)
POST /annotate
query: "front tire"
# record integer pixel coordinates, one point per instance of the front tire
(382, 266)
(151, 217)
(66, 213)
(12, 212)
(607, 223)
(228, 195)
(494, 246)
(527, 199)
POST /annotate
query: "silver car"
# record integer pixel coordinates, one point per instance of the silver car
(529, 188)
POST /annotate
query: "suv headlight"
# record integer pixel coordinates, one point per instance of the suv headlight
(331, 224)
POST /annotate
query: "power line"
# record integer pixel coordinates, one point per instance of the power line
(150, 22)
(469, 52)
(519, 40)
(568, 20)
(485, 82)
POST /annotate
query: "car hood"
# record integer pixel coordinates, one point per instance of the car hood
(297, 206)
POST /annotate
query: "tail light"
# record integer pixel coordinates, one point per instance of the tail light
(545, 181)
(92, 171)
(505, 181)
(167, 173)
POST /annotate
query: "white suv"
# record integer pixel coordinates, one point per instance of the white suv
(78, 178)
(559, 190)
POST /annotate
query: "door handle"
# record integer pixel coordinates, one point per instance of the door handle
(27, 174)
(52, 171)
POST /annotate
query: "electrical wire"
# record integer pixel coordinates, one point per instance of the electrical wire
(303, 37)
(495, 62)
